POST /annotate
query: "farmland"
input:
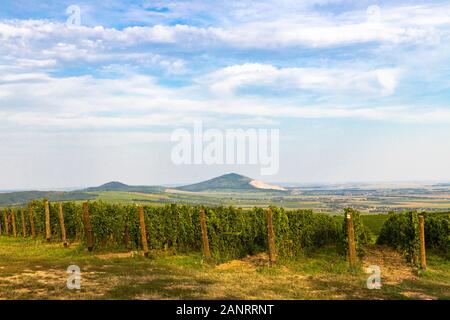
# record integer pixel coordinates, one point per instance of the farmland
(228, 190)
(311, 262)
(372, 201)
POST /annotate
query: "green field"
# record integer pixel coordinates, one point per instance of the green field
(374, 222)
(335, 200)
(36, 269)
(320, 203)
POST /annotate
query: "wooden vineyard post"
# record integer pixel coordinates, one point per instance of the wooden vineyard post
(30, 212)
(88, 227)
(13, 222)
(22, 218)
(271, 237)
(6, 223)
(61, 223)
(48, 231)
(143, 232)
(423, 258)
(351, 240)
(205, 240)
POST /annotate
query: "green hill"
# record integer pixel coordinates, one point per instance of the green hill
(230, 181)
(23, 197)
(119, 186)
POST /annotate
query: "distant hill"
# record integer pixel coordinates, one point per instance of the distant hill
(227, 182)
(231, 181)
(23, 197)
(119, 186)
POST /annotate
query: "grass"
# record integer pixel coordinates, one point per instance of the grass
(32, 269)
(374, 222)
(128, 197)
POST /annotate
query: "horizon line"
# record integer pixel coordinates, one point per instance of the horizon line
(285, 184)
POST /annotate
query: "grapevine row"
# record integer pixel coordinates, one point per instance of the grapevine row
(231, 232)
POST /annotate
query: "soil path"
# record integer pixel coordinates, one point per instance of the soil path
(393, 267)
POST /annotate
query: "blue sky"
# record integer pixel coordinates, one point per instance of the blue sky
(358, 89)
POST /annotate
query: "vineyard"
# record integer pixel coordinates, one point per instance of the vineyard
(231, 232)
(401, 231)
(222, 233)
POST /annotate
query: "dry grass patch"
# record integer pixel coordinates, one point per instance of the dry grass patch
(394, 269)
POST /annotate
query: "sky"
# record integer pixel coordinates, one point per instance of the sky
(359, 90)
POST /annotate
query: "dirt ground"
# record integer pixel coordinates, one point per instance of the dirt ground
(33, 270)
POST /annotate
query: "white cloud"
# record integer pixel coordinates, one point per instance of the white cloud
(40, 44)
(225, 81)
(262, 29)
(138, 102)
(21, 77)
(78, 105)
(30, 49)
(388, 80)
